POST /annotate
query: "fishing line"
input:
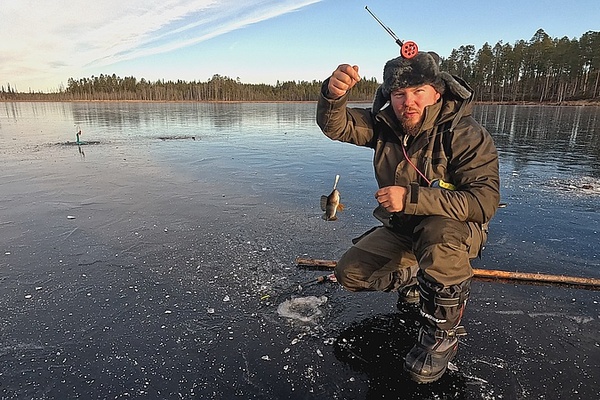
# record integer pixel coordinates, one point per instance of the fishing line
(412, 164)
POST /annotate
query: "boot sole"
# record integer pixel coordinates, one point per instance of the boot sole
(424, 379)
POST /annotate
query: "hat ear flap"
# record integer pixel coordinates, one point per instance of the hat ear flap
(379, 101)
(454, 86)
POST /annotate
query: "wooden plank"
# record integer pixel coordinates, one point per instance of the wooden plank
(494, 275)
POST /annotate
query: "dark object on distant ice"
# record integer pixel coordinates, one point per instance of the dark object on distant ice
(89, 142)
(177, 137)
(77, 134)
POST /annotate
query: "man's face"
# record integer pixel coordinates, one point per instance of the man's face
(409, 105)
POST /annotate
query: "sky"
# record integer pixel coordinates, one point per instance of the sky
(44, 43)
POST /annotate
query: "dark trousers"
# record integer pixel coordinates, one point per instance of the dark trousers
(386, 259)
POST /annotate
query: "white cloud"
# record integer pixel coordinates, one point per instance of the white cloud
(41, 39)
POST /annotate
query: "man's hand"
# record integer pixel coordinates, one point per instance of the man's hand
(392, 198)
(342, 79)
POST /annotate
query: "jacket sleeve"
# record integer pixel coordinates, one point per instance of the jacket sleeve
(338, 122)
(473, 169)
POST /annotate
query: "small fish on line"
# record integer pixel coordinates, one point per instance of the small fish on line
(331, 204)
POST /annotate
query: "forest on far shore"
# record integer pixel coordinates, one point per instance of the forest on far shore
(541, 70)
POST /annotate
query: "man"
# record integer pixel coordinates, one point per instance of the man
(437, 171)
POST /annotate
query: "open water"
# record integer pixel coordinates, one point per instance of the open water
(156, 260)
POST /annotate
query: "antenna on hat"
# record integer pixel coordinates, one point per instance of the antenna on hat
(408, 49)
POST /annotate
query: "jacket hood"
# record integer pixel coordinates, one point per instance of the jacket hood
(458, 100)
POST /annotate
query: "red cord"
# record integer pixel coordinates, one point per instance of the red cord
(414, 166)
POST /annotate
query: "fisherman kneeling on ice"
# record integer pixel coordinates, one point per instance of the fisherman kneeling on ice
(437, 171)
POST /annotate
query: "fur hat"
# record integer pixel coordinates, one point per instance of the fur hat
(420, 70)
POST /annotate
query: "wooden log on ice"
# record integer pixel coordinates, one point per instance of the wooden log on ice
(494, 275)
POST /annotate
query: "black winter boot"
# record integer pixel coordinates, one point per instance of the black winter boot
(428, 360)
(442, 309)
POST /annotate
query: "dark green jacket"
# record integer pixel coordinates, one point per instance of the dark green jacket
(451, 146)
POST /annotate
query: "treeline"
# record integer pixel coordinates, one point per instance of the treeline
(540, 70)
(217, 88)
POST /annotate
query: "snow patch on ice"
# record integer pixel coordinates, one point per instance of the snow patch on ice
(303, 309)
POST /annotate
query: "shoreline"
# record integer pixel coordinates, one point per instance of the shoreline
(587, 103)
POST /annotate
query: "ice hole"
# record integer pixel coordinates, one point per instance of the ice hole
(304, 309)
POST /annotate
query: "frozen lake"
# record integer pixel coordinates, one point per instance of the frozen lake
(151, 262)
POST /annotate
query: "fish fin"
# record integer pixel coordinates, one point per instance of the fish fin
(323, 203)
(340, 207)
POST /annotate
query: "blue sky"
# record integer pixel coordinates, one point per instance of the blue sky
(44, 43)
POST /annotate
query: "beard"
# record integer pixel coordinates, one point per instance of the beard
(410, 128)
